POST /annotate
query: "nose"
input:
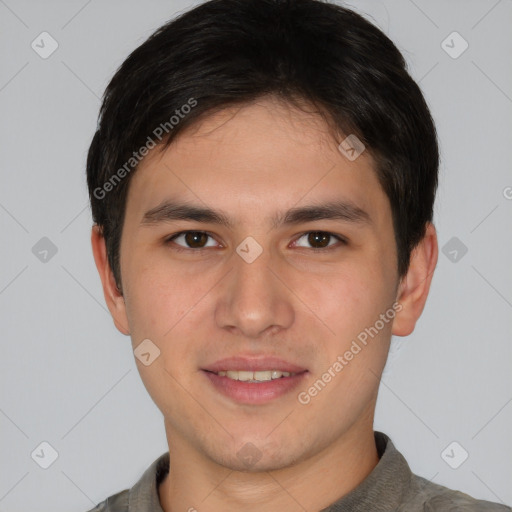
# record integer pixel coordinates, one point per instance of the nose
(253, 298)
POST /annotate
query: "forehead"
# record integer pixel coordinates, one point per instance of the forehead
(263, 155)
(265, 128)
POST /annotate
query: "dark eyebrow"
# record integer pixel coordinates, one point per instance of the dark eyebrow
(338, 210)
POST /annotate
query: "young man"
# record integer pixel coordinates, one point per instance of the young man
(262, 184)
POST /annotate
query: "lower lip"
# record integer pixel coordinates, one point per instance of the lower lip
(254, 392)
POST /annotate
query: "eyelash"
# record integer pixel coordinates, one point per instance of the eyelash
(179, 248)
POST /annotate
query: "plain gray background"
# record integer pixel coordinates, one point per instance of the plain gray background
(69, 378)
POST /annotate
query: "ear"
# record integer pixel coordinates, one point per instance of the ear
(113, 297)
(415, 285)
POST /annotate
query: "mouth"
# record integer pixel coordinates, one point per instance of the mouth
(248, 380)
(254, 376)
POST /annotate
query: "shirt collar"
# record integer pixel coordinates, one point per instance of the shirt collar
(383, 490)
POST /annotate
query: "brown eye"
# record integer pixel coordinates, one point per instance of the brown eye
(320, 240)
(195, 239)
(191, 239)
(317, 238)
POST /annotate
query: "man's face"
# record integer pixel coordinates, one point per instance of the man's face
(203, 299)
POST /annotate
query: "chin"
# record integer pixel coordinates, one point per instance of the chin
(256, 455)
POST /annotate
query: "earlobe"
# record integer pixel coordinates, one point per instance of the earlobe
(113, 297)
(415, 285)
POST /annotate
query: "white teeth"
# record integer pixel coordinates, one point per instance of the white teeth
(259, 376)
(245, 375)
(262, 376)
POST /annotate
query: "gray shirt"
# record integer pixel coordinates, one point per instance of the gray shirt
(390, 487)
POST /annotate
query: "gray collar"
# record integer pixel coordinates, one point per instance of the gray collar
(385, 488)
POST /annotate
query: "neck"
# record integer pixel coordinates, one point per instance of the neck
(197, 483)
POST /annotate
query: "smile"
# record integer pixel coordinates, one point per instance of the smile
(258, 376)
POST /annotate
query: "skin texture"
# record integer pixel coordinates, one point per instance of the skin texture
(292, 302)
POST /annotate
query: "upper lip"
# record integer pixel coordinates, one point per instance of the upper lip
(253, 364)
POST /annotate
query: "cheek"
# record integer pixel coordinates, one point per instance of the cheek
(353, 302)
(156, 301)
(349, 299)
(159, 309)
